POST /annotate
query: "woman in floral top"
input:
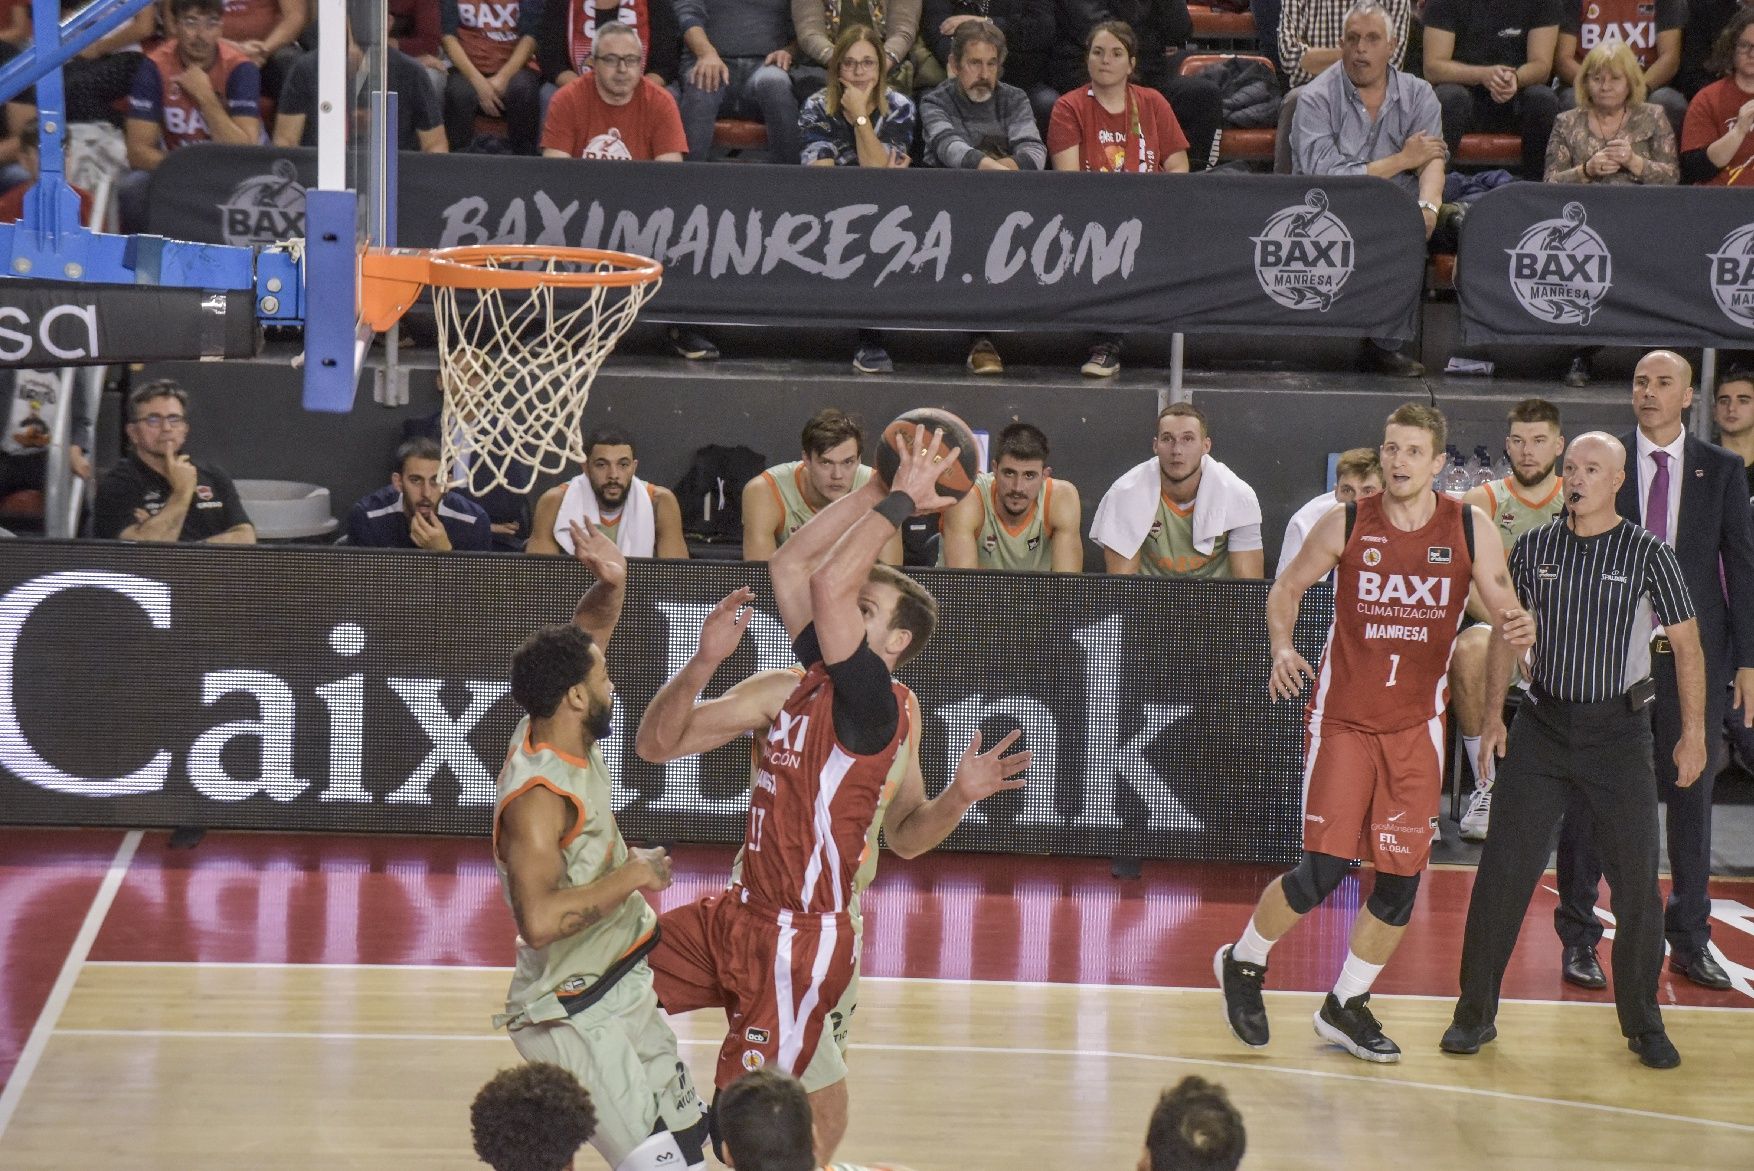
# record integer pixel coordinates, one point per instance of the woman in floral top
(1614, 135)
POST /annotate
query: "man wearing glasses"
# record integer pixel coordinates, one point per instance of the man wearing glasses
(157, 493)
(614, 111)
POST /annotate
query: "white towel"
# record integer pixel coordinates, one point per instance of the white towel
(1124, 517)
(638, 534)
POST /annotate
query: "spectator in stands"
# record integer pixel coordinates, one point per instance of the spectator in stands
(508, 509)
(976, 122)
(19, 110)
(491, 47)
(157, 493)
(614, 111)
(1310, 30)
(766, 1124)
(532, 1117)
(414, 29)
(1112, 125)
(1706, 20)
(1369, 118)
(1194, 1128)
(420, 115)
(416, 511)
(1181, 513)
(26, 438)
(1357, 475)
(15, 27)
(858, 120)
(1717, 140)
(1159, 28)
(1490, 61)
(1028, 26)
(735, 62)
(196, 87)
(822, 24)
(567, 37)
(1649, 31)
(30, 159)
(1733, 411)
(1018, 516)
(778, 501)
(267, 31)
(641, 518)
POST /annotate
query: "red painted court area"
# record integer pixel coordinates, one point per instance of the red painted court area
(272, 898)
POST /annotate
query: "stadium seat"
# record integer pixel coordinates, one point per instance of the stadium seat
(739, 134)
(1442, 277)
(25, 505)
(1490, 150)
(1218, 24)
(1244, 144)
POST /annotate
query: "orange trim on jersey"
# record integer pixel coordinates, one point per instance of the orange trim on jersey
(533, 747)
(773, 484)
(566, 839)
(1041, 502)
(1510, 486)
(1492, 500)
(1174, 507)
(803, 488)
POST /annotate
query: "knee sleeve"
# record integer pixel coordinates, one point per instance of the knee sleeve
(1392, 899)
(1314, 880)
(662, 1152)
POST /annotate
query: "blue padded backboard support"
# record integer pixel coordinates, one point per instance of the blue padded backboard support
(332, 266)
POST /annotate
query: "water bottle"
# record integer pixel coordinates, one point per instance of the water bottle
(1482, 469)
(1454, 480)
(1502, 469)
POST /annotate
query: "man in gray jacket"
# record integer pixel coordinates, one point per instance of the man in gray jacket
(976, 122)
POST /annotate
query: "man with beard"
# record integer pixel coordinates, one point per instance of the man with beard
(1181, 513)
(778, 502)
(415, 511)
(1526, 499)
(642, 519)
(1018, 516)
(581, 996)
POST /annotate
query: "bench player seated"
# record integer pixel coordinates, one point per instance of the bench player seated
(1019, 516)
(837, 756)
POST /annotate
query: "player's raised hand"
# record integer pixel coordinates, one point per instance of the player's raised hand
(1290, 671)
(651, 868)
(598, 554)
(1518, 627)
(724, 626)
(921, 465)
(981, 774)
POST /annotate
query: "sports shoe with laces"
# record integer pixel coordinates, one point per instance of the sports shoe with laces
(690, 344)
(1479, 813)
(872, 359)
(983, 357)
(1104, 361)
(1353, 1028)
(1241, 984)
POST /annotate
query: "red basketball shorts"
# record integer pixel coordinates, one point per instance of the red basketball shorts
(777, 975)
(1373, 795)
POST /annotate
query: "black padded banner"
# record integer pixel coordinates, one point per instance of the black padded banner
(365, 690)
(48, 324)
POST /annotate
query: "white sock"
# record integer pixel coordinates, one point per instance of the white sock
(1471, 748)
(1252, 948)
(1355, 978)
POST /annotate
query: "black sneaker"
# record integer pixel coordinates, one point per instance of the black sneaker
(870, 358)
(1241, 985)
(691, 344)
(1352, 1027)
(1655, 1050)
(1466, 1039)
(1104, 361)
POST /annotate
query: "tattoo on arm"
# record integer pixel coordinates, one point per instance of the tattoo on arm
(574, 922)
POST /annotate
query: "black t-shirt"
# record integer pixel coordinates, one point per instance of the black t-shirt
(132, 486)
(417, 103)
(865, 711)
(1492, 32)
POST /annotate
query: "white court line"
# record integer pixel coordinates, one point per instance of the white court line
(1240, 1064)
(63, 988)
(272, 965)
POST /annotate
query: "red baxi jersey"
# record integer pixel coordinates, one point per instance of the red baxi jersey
(811, 803)
(1398, 603)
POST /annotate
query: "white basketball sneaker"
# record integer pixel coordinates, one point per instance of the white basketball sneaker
(1479, 813)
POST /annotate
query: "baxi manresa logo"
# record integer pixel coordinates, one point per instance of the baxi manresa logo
(265, 209)
(1732, 276)
(1304, 254)
(1560, 269)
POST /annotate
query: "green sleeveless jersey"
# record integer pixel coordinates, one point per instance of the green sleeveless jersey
(786, 481)
(592, 846)
(1514, 514)
(999, 545)
(1169, 550)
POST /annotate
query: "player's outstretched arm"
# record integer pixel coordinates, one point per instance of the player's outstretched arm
(678, 724)
(530, 832)
(803, 553)
(600, 609)
(1066, 515)
(1492, 582)
(961, 533)
(914, 825)
(1320, 554)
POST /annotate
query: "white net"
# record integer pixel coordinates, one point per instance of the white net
(516, 366)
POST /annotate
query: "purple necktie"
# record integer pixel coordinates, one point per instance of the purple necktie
(1656, 503)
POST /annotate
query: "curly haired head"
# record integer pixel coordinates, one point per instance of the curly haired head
(1194, 1128)
(534, 1117)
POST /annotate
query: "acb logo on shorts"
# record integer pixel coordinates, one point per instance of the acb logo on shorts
(1304, 254)
(1732, 276)
(1560, 269)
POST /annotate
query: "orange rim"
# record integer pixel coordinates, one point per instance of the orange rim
(391, 279)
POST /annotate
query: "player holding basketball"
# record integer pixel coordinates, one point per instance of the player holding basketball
(1373, 768)
(581, 996)
(833, 748)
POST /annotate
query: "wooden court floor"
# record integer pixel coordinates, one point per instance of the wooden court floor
(282, 1002)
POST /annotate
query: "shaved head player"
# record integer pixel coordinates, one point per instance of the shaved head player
(1373, 768)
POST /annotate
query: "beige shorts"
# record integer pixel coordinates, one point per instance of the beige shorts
(829, 1065)
(623, 1052)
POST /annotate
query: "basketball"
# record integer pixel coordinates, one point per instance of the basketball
(918, 424)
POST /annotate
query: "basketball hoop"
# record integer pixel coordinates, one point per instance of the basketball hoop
(522, 331)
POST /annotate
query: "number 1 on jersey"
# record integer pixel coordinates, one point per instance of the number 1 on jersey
(1394, 669)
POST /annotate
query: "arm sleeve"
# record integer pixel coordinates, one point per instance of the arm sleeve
(1439, 14)
(816, 130)
(664, 54)
(1063, 129)
(667, 135)
(946, 146)
(234, 505)
(295, 95)
(424, 105)
(811, 23)
(1293, 35)
(551, 50)
(243, 89)
(1245, 539)
(689, 14)
(477, 535)
(114, 510)
(1023, 134)
(449, 20)
(358, 535)
(865, 711)
(1671, 14)
(146, 100)
(901, 23)
(530, 17)
(897, 130)
(1666, 587)
(1312, 141)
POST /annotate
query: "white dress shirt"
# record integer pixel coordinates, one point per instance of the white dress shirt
(1302, 521)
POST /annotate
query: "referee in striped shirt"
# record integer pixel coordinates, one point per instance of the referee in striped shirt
(1592, 581)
